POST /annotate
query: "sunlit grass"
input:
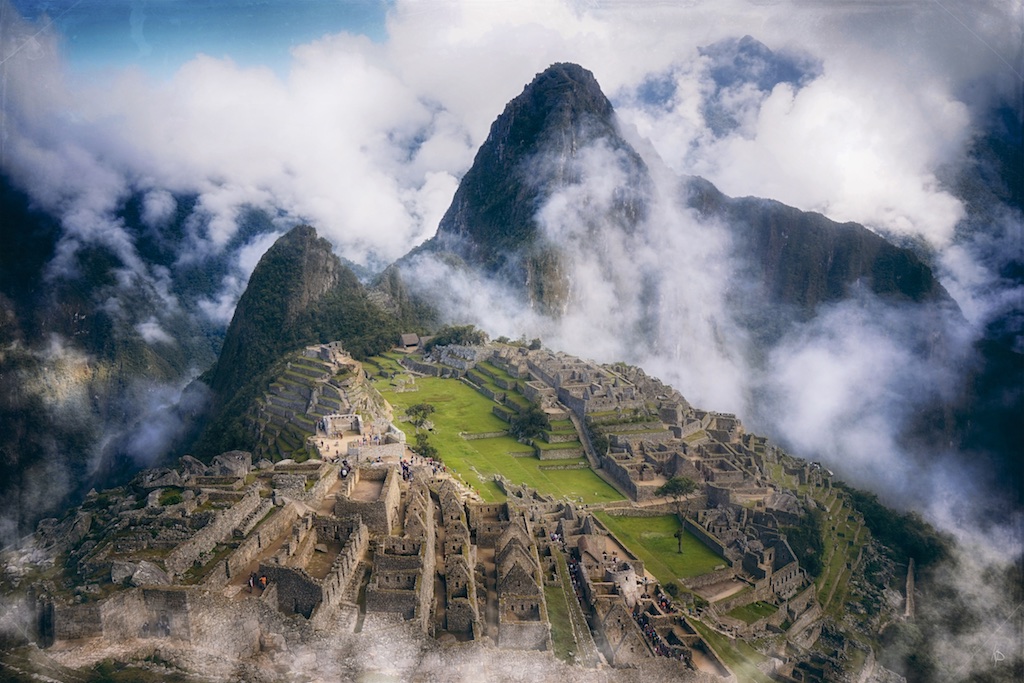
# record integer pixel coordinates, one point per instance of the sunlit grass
(462, 410)
(653, 540)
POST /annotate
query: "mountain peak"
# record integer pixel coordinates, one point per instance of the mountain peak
(296, 272)
(532, 152)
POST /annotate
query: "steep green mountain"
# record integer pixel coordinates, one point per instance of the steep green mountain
(300, 293)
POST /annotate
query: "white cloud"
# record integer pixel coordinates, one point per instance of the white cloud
(151, 331)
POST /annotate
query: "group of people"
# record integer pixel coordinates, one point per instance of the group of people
(574, 569)
(406, 470)
(345, 468)
(260, 581)
(658, 644)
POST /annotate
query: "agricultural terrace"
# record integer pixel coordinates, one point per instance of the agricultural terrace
(845, 539)
(754, 611)
(463, 412)
(653, 540)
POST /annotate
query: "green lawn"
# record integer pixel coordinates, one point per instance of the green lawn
(739, 655)
(653, 540)
(495, 371)
(754, 611)
(562, 640)
(461, 409)
(557, 446)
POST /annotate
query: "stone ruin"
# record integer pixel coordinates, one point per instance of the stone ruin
(363, 550)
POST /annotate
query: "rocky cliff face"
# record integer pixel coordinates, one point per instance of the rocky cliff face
(561, 133)
(799, 260)
(533, 151)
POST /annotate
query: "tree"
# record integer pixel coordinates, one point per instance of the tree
(419, 413)
(424, 447)
(680, 532)
(530, 423)
(677, 488)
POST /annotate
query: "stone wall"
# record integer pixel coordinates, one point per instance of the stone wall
(621, 638)
(218, 530)
(646, 511)
(631, 440)
(77, 621)
(705, 538)
(347, 561)
(379, 515)
(264, 535)
(327, 479)
(422, 368)
(398, 600)
(483, 435)
(370, 453)
(253, 518)
(460, 615)
(711, 577)
(557, 453)
(498, 396)
(297, 591)
(205, 620)
(620, 475)
(525, 635)
(537, 392)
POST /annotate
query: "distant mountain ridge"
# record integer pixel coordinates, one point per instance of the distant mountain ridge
(804, 259)
(798, 259)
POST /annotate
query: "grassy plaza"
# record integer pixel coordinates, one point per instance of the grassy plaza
(460, 412)
(653, 540)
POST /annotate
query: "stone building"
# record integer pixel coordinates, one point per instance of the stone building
(522, 611)
(374, 494)
(403, 565)
(314, 567)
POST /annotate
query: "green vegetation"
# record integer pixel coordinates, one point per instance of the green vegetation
(195, 574)
(653, 540)
(677, 488)
(562, 641)
(460, 410)
(424, 447)
(753, 612)
(418, 413)
(529, 424)
(170, 496)
(464, 335)
(807, 543)
(739, 655)
(597, 439)
(905, 534)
